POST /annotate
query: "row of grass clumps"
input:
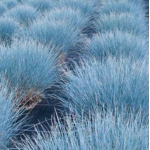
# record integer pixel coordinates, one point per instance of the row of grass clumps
(108, 91)
(121, 30)
(116, 68)
(53, 36)
(35, 38)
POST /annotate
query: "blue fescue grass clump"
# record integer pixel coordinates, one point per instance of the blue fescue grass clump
(29, 66)
(126, 1)
(2, 9)
(68, 15)
(8, 29)
(124, 6)
(110, 83)
(64, 33)
(24, 14)
(9, 114)
(102, 133)
(117, 44)
(88, 7)
(41, 5)
(127, 19)
(125, 22)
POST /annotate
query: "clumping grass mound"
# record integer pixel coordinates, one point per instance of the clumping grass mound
(112, 83)
(10, 112)
(117, 44)
(104, 132)
(124, 22)
(134, 7)
(24, 14)
(59, 31)
(66, 14)
(126, 16)
(41, 5)
(88, 7)
(30, 67)
(8, 29)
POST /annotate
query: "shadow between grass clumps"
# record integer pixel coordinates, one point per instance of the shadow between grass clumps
(44, 112)
(51, 105)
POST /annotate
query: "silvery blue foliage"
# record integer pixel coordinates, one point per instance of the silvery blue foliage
(2, 9)
(112, 83)
(66, 14)
(117, 44)
(24, 14)
(129, 19)
(61, 32)
(8, 29)
(41, 5)
(102, 133)
(124, 22)
(124, 6)
(9, 114)
(125, 1)
(115, 78)
(29, 66)
(88, 7)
